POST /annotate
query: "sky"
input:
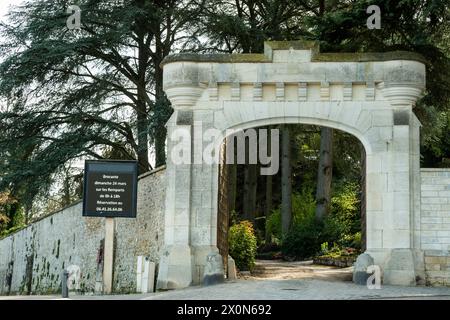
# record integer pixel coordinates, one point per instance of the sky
(4, 6)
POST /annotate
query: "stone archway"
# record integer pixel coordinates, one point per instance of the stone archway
(370, 96)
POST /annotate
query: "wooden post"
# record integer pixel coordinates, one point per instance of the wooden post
(108, 256)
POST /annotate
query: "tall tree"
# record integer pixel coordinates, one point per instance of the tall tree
(324, 173)
(286, 180)
(249, 192)
(411, 25)
(72, 92)
(269, 188)
(243, 26)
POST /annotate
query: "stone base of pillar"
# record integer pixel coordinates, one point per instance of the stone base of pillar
(419, 262)
(213, 271)
(379, 256)
(399, 268)
(175, 267)
(201, 254)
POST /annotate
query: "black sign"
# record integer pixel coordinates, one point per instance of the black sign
(110, 188)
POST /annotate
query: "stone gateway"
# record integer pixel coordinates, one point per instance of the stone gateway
(369, 95)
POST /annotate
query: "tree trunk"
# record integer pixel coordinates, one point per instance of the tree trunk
(324, 173)
(321, 7)
(66, 200)
(268, 204)
(232, 184)
(269, 189)
(249, 206)
(162, 105)
(286, 181)
(141, 110)
(223, 214)
(363, 200)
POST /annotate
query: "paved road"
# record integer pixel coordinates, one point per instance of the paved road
(298, 289)
(278, 289)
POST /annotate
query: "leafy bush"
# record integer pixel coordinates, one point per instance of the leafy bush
(333, 229)
(303, 240)
(336, 251)
(273, 225)
(345, 205)
(339, 230)
(342, 226)
(242, 242)
(324, 248)
(303, 207)
(351, 241)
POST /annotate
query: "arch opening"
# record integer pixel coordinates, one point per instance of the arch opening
(302, 188)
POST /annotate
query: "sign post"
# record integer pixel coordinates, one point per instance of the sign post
(108, 265)
(110, 191)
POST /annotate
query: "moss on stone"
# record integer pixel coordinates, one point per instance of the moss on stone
(367, 56)
(219, 58)
(296, 45)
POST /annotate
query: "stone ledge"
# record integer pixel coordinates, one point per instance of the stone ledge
(434, 169)
(317, 56)
(151, 172)
(436, 253)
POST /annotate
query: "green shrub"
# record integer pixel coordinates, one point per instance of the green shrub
(324, 248)
(303, 240)
(351, 241)
(333, 229)
(345, 208)
(273, 225)
(242, 242)
(303, 207)
(340, 229)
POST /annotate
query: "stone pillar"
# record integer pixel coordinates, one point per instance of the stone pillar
(401, 236)
(419, 259)
(190, 235)
(204, 193)
(399, 266)
(176, 257)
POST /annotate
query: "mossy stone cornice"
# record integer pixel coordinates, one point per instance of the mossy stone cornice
(317, 56)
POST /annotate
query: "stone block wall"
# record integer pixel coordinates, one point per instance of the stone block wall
(32, 259)
(435, 224)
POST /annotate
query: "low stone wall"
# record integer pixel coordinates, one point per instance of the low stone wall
(341, 262)
(32, 259)
(435, 225)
